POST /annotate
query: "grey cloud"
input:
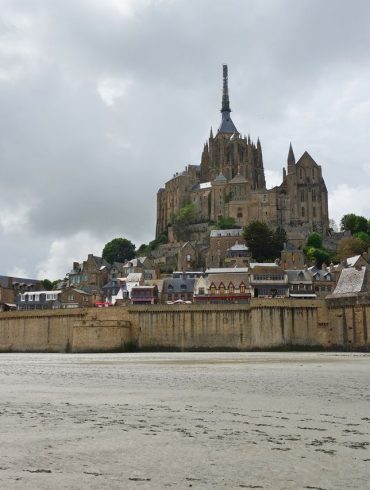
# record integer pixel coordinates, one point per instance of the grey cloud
(87, 166)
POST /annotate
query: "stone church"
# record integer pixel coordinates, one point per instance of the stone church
(230, 182)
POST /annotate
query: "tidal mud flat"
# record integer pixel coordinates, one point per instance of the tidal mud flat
(214, 420)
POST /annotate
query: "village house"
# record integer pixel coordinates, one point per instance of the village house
(78, 298)
(268, 280)
(178, 288)
(38, 300)
(10, 287)
(223, 285)
(144, 295)
(300, 284)
(220, 241)
(94, 271)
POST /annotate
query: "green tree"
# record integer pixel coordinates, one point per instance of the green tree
(187, 216)
(263, 242)
(47, 284)
(118, 250)
(355, 224)
(365, 237)
(314, 240)
(227, 223)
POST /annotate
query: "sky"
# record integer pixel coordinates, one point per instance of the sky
(102, 101)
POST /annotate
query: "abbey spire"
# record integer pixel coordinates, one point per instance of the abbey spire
(226, 126)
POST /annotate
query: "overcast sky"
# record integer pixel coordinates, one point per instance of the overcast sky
(102, 101)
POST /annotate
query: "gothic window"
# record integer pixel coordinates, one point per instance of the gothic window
(313, 173)
(302, 212)
(222, 288)
(242, 288)
(302, 195)
(231, 288)
(212, 288)
(313, 194)
(300, 173)
(240, 213)
(314, 212)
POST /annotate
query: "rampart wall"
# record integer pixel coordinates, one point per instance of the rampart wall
(262, 324)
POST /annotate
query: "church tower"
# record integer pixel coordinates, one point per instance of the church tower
(228, 153)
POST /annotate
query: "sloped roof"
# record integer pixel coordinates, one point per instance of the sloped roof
(299, 276)
(351, 261)
(351, 280)
(223, 270)
(4, 281)
(238, 179)
(227, 125)
(222, 233)
(178, 285)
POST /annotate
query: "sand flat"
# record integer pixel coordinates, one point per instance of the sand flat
(185, 420)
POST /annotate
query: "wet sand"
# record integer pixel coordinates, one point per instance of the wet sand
(148, 421)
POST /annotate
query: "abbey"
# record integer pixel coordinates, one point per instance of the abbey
(230, 182)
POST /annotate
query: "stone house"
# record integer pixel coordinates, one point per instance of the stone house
(77, 298)
(220, 241)
(268, 280)
(175, 288)
(300, 284)
(94, 272)
(10, 287)
(226, 286)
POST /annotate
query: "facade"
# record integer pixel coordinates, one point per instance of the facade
(38, 300)
(223, 287)
(268, 280)
(10, 287)
(178, 288)
(230, 182)
(300, 284)
(94, 272)
(76, 298)
(144, 295)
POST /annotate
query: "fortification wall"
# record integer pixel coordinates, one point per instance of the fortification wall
(74, 330)
(262, 324)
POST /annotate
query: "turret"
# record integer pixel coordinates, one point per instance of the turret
(291, 159)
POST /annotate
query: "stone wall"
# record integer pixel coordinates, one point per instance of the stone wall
(262, 324)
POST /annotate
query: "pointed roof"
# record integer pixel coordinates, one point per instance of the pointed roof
(291, 157)
(226, 126)
(220, 178)
(238, 179)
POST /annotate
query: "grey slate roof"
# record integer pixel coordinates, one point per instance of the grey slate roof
(178, 285)
(227, 126)
(351, 281)
(299, 276)
(4, 281)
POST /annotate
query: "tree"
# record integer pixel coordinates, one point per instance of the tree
(118, 250)
(353, 223)
(365, 237)
(187, 216)
(350, 246)
(49, 285)
(263, 242)
(314, 240)
(227, 223)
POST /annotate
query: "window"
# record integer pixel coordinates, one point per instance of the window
(302, 212)
(212, 289)
(37, 297)
(313, 195)
(201, 291)
(240, 213)
(302, 195)
(70, 297)
(30, 297)
(188, 258)
(23, 297)
(51, 297)
(242, 288)
(314, 212)
(222, 288)
(231, 288)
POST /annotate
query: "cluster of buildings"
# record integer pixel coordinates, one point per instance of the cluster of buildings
(230, 182)
(95, 283)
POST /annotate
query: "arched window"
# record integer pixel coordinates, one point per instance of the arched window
(231, 288)
(242, 288)
(302, 212)
(212, 289)
(222, 288)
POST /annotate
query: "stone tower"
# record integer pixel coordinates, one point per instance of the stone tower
(228, 153)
